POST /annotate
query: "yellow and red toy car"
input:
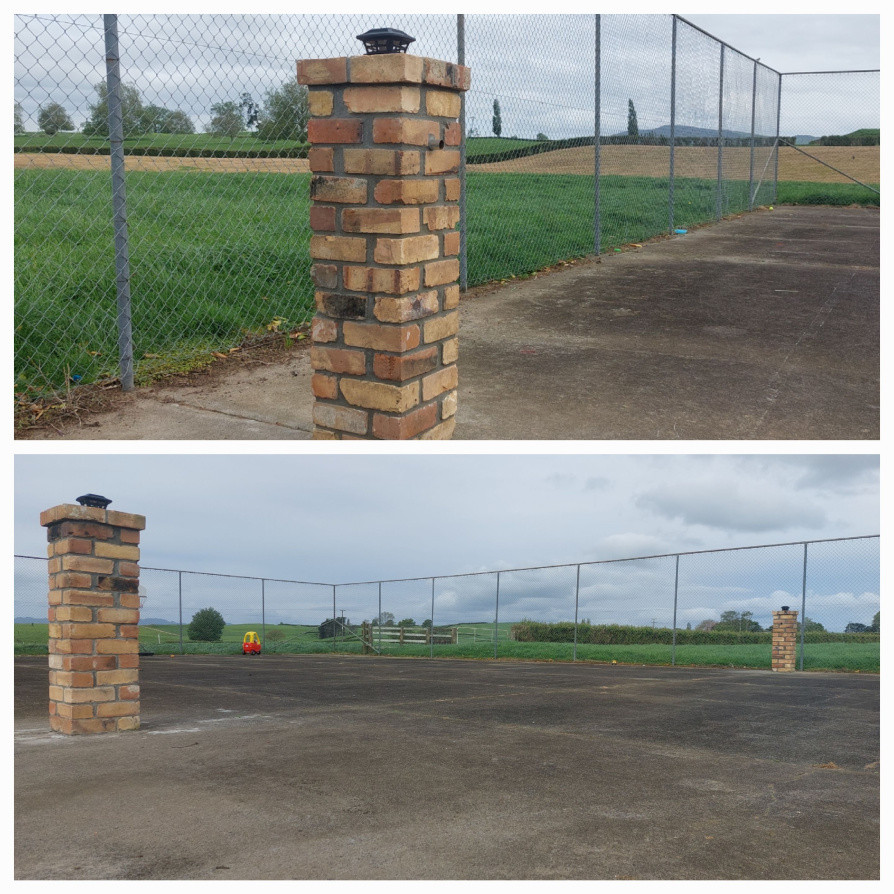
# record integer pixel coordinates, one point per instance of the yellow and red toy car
(251, 645)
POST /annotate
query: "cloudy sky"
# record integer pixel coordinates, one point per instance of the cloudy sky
(539, 66)
(364, 518)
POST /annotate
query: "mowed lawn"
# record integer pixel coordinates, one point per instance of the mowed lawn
(31, 639)
(216, 257)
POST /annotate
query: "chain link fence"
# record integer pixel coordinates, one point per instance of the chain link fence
(583, 133)
(710, 607)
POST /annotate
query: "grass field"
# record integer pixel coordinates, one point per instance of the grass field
(31, 639)
(215, 257)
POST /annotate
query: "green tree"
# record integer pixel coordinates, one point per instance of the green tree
(406, 622)
(811, 625)
(285, 114)
(632, 123)
(19, 126)
(227, 119)
(207, 626)
(876, 625)
(541, 136)
(855, 627)
(740, 622)
(97, 125)
(426, 622)
(52, 118)
(157, 119)
(497, 122)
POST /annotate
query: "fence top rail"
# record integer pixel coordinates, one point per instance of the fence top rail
(842, 71)
(729, 46)
(433, 577)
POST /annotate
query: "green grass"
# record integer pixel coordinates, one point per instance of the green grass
(38, 142)
(491, 145)
(31, 639)
(217, 256)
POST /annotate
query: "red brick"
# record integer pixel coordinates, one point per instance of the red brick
(128, 569)
(451, 243)
(323, 71)
(334, 130)
(338, 360)
(88, 662)
(410, 250)
(452, 189)
(323, 386)
(381, 162)
(381, 337)
(320, 102)
(402, 310)
(72, 545)
(453, 135)
(439, 273)
(380, 396)
(129, 535)
(338, 248)
(400, 367)
(439, 382)
(92, 530)
(322, 217)
(405, 131)
(393, 68)
(321, 158)
(380, 220)
(323, 329)
(391, 98)
(342, 190)
(344, 419)
(406, 192)
(447, 74)
(441, 161)
(391, 280)
(409, 425)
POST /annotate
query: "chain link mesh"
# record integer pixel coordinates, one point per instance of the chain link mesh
(218, 186)
(712, 607)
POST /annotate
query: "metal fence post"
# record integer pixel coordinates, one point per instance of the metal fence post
(673, 125)
(263, 618)
(597, 86)
(753, 119)
(463, 230)
(676, 591)
(431, 630)
(380, 616)
(334, 622)
(803, 608)
(720, 137)
(497, 616)
(180, 606)
(776, 150)
(119, 203)
(576, 603)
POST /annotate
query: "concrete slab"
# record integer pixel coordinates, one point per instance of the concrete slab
(761, 327)
(336, 767)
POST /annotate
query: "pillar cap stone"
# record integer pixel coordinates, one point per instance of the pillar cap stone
(391, 68)
(73, 512)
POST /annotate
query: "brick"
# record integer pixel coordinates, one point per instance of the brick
(342, 190)
(440, 273)
(391, 68)
(72, 511)
(54, 630)
(117, 709)
(449, 350)
(88, 662)
(381, 337)
(117, 646)
(441, 217)
(77, 630)
(443, 103)
(71, 646)
(321, 435)
(113, 551)
(441, 327)
(323, 386)
(128, 600)
(325, 276)
(323, 330)
(126, 520)
(441, 161)
(334, 130)
(118, 615)
(321, 158)
(452, 189)
(453, 134)
(400, 367)
(380, 220)
(382, 162)
(405, 131)
(406, 192)
(54, 597)
(117, 584)
(390, 280)
(88, 564)
(379, 396)
(338, 248)
(410, 250)
(75, 679)
(342, 307)
(71, 580)
(128, 569)
(54, 566)
(319, 103)
(71, 528)
(128, 630)
(72, 545)
(322, 219)
(90, 694)
(56, 693)
(451, 243)
(447, 74)
(338, 360)
(128, 723)
(451, 297)
(395, 428)
(439, 382)
(74, 712)
(383, 99)
(128, 535)
(87, 597)
(129, 693)
(341, 418)
(402, 310)
(323, 71)
(73, 613)
(448, 405)
(128, 660)
(441, 432)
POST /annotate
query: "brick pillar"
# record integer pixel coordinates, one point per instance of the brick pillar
(785, 639)
(94, 611)
(385, 156)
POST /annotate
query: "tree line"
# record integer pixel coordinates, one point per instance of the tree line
(282, 115)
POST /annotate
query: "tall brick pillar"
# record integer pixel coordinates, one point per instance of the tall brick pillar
(94, 610)
(384, 156)
(785, 639)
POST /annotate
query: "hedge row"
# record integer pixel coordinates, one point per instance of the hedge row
(174, 152)
(614, 634)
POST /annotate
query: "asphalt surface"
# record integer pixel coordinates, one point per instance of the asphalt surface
(334, 767)
(758, 328)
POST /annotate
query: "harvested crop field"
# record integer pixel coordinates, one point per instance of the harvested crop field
(862, 162)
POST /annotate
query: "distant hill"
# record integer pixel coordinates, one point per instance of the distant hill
(156, 621)
(42, 620)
